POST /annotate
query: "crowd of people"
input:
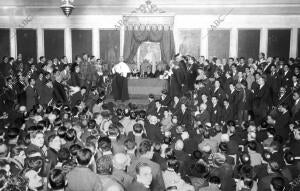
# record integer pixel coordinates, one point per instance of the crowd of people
(222, 125)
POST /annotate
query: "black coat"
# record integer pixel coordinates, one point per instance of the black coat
(185, 119)
(154, 133)
(31, 97)
(282, 125)
(151, 108)
(261, 100)
(21, 93)
(219, 93)
(215, 114)
(233, 100)
(175, 83)
(227, 114)
(286, 80)
(191, 76)
(59, 93)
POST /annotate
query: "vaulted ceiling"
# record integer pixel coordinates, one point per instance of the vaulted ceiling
(117, 7)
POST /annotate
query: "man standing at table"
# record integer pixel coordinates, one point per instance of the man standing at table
(120, 83)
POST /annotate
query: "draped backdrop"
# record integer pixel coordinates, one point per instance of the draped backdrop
(134, 38)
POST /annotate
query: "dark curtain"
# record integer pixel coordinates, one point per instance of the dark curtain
(134, 38)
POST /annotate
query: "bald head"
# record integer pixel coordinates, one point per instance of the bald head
(179, 145)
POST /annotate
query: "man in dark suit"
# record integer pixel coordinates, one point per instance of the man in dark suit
(46, 93)
(151, 105)
(227, 112)
(31, 95)
(296, 106)
(146, 153)
(218, 92)
(165, 98)
(9, 94)
(261, 101)
(59, 93)
(185, 117)
(21, 90)
(143, 178)
(286, 79)
(267, 66)
(159, 110)
(273, 81)
(175, 105)
(191, 72)
(175, 80)
(215, 113)
(233, 99)
(41, 63)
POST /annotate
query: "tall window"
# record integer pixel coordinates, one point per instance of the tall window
(27, 43)
(81, 42)
(5, 42)
(248, 43)
(218, 43)
(279, 43)
(54, 43)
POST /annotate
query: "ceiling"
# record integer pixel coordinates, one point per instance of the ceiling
(117, 7)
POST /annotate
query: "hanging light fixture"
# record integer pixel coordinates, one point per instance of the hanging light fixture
(67, 7)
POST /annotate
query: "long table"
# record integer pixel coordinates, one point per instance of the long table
(144, 87)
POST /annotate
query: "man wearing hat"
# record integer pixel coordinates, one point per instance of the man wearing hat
(151, 106)
(165, 98)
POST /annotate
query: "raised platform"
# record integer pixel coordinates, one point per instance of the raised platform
(143, 87)
(139, 90)
(140, 101)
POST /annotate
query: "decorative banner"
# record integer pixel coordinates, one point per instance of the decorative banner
(148, 17)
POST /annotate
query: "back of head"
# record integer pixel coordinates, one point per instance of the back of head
(179, 145)
(104, 143)
(57, 179)
(84, 157)
(173, 164)
(277, 183)
(129, 144)
(214, 180)
(104, 165)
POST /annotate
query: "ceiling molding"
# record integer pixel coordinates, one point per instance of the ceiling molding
(178, 7)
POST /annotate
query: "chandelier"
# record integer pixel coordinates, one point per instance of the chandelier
(67, 7)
